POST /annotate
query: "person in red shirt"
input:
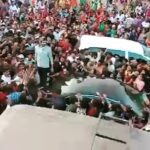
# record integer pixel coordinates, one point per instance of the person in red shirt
(83, 17)
(44, 13)
(3, 98)
(73, 3)
(64, 44)
(148, 13)
(148, 42)
(93, 109)
(95, 26)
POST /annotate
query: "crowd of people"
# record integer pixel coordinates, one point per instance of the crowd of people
(39, 47)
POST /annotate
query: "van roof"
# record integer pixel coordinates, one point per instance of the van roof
(33, 128)
(88, 41)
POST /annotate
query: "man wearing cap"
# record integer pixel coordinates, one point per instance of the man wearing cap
(44, 59)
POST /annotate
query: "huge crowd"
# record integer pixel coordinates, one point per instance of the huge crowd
(39, 47)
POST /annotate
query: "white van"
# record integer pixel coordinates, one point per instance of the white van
(122, 47)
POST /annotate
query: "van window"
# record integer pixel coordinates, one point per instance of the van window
(136, 56)
(94, 49)
(146, 51)
(117, 52)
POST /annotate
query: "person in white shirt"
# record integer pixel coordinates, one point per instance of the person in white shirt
(18, 79)
(6, 77)
(120, 16)
(138, 9)
(111, 67)
(129, 21)
(145, 24)
(71, 57)
(57, 34)
(44, 59)
(113, 19)
(29, 60)
(13, 9)
(120, 26)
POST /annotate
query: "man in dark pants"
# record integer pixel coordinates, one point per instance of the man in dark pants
(44, 58)
(43, 73)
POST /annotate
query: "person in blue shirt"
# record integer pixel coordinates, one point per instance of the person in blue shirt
(13, 97)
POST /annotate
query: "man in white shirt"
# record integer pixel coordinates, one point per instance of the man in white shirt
(6, 77)
(145, 24)
(57, 34)
(13, 10)
(129, 21)
(120, 16)
(113, 19)
(44, 59)
(111, 67)
(138, 9)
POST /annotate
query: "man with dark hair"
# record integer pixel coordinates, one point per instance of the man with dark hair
(44, 59)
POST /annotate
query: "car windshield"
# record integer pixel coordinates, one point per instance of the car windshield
(115, 91)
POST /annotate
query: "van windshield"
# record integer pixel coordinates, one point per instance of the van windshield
(116, 92)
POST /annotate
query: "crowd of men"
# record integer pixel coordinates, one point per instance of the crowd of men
(39, 42)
